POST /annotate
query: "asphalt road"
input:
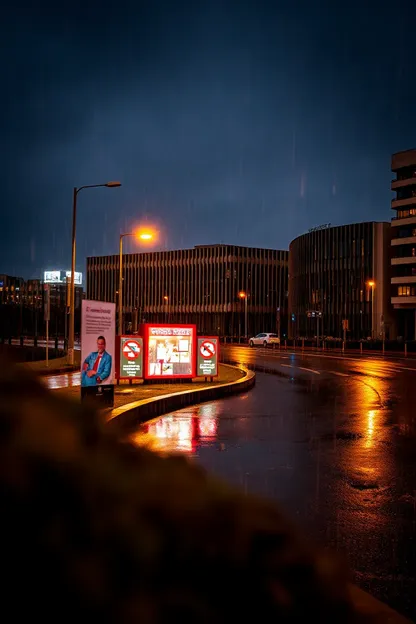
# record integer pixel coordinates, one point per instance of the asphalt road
(333, 440)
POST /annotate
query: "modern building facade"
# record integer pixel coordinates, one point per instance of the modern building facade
(339, 280)
(208, 285)
(403, 243)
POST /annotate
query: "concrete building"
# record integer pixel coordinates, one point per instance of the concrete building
(199, 285)
(403, 242)
(339, 279)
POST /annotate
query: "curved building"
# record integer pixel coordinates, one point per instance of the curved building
(339, 282)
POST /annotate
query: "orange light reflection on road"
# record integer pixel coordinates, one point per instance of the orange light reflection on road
(179, 433)
(169, 434)
(370, 428)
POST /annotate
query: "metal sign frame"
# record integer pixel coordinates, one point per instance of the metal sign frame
(200, 359)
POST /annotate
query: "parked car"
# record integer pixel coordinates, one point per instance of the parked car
(264, 340)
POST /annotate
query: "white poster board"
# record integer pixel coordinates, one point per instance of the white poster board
(98, 331)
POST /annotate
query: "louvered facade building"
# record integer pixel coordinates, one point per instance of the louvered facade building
(199, 285)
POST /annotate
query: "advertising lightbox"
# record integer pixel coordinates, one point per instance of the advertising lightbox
(169, 351)
(98, 330)
(52, 277)
(77, 277)
(61, 277)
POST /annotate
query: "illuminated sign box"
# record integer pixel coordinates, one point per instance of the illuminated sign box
(60, 277)
(77, 277)
(169, 351)
(130, 357)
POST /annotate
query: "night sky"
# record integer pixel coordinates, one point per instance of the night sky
(236, 122)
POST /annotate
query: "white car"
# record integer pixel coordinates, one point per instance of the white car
(264, 340)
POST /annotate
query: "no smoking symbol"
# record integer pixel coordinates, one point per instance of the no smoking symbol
(207, 349)
(131, 350)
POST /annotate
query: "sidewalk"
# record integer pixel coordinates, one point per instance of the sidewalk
(124, 393)
(55, 366)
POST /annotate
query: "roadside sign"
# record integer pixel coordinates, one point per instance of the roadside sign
(207, 349)
(207, 356)
(130, 364)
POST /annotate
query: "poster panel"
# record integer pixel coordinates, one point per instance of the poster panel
(169, 351)
(98, 330)
(207, 356)
(130, 351)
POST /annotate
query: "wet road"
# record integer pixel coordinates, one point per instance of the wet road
(333, 441)
(66, 380)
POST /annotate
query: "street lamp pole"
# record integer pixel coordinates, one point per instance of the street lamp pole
(243, 295)
(120, 286)
(144, 236)
(246, 317)
(71, 329)
(372, 284)
(166, 300)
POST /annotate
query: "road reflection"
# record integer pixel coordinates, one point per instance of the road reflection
(67, 380)
(182, 432)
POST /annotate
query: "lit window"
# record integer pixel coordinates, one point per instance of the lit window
(406, 291)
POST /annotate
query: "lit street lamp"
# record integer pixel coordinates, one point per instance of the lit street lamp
(145, 236)
(243, 295)
(166, 300)
(71, 330)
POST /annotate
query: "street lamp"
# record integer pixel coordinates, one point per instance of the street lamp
(243, 295)
(72, 291)
(145, 236)
(166, 300)
(371, 284)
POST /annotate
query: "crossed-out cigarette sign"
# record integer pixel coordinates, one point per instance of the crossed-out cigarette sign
(131, 350)
(207, 349)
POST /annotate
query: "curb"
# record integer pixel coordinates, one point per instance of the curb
(373, 610)
(258, 368)
(132, 414)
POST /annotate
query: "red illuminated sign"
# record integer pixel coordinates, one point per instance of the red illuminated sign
(169, 351)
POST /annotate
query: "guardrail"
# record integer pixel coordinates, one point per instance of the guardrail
(387, 347)
(392, 347)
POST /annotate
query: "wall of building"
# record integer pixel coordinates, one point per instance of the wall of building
(403, 243)
(330, 271)
(199, 285)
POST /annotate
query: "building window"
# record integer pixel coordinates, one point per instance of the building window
(402, 214)
(406, 291)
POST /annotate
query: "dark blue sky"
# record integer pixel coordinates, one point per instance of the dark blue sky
(239, 122)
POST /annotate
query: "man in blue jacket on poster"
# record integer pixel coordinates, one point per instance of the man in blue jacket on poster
(97, 365)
